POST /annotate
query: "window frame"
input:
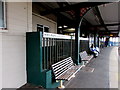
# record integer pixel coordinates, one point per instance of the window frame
(4, 15)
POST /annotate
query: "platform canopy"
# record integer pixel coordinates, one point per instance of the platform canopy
(103, 18)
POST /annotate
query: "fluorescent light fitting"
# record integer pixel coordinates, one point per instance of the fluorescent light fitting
(60, 27)
(72, 29)
(65, 26)
(111, 35)
(83, 34)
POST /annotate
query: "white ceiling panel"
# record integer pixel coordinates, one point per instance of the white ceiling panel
(112, 27)
(91, 18)
(109, 12)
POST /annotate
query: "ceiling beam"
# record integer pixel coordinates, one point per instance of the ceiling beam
(113, 24)
(109, 31)
(87, 21)
(100, 18)
(56, 14)
(114, 34)
(61, 4)
(72, 7)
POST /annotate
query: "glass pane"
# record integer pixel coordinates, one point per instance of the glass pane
(1, 14)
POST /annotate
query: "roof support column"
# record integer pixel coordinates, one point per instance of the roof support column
(95, 39)
(79, 19)
(98, 41)
(77, 45)
(77, 35)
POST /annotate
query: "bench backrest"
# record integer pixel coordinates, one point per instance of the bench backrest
(62, 66)
(83, 54)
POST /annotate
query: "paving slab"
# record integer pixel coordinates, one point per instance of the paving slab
(104, 73)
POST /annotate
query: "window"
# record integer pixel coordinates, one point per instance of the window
(42, 28)
(2, 15)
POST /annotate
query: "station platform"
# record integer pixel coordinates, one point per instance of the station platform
(105, 74)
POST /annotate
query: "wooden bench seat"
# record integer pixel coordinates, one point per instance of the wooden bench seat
(85, 57)
(65, 70)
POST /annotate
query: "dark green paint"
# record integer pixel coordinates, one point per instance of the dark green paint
(35, 73)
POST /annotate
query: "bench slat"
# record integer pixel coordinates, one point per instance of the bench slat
(60, 65)
(70, 72)
(64, 70)
(69, 58)
(65, 67)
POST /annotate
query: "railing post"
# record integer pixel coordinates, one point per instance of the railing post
(41, 54)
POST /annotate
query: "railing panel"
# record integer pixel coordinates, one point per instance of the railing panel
(55, 48)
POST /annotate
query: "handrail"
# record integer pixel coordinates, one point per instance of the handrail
(52, 35)
(60, 36)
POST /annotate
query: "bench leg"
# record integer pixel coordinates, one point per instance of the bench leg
(61, 85)
(73, 75)
(87, 62)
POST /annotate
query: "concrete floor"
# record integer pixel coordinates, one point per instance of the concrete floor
(105, 74)
(113, 68)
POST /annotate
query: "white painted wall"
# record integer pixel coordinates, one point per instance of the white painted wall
(0, 61)
(37, 19)
(13, 43)
(19, 21)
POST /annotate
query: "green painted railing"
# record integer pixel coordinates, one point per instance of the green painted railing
(43, 50)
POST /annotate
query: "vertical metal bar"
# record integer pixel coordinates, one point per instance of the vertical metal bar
(71, 47)
(43, 53)
(61, 51)
(52, 51)
(47, 62)
(62, 47)
(57, 49)
(50, 44)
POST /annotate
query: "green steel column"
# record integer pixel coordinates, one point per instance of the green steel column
(77, 44)
(77, 35)
(95, 39)
(98, 42)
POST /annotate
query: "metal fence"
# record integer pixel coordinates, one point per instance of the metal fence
(56, 47)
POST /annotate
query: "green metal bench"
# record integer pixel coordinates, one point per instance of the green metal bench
(85, 58)
(65, 70)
